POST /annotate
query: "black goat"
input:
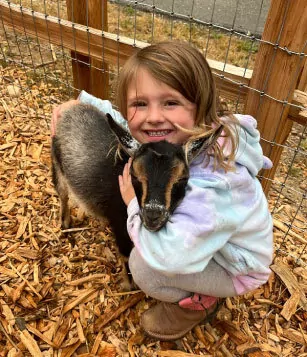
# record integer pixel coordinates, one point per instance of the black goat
(85, 164)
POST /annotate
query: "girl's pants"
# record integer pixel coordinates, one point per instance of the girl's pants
(213, 281)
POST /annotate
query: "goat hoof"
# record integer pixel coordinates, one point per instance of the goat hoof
(65, 224)
(127, 285)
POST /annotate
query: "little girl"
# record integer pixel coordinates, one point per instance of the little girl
(218, 242)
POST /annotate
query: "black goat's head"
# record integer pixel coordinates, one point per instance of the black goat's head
(160, 173)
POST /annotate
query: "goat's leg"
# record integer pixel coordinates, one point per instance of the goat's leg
(126, 283)
(124, 246)
(64, 211)
(62, 190)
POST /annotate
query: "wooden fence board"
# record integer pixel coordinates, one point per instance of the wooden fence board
(276, 74)
(87, 41)
(117, 49)
(89, 73)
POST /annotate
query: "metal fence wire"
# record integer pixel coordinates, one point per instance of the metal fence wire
(41, 66)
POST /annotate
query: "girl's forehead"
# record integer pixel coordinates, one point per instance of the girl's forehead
(145, 81)
(143, 75)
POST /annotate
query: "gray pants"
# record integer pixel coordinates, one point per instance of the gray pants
(213, 281)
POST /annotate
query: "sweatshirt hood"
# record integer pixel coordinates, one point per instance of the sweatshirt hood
(249, 152)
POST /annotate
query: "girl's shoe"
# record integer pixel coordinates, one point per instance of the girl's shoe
(198, 302)
(166, 321)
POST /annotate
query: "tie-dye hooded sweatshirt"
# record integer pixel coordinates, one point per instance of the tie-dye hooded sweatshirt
(223, 216)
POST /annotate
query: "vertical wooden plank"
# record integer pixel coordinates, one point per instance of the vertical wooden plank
(302, 84)
(276, 73)
(89, 74)
(100, 79)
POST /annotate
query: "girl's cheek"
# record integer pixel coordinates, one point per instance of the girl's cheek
(131, 113)
(132, 126)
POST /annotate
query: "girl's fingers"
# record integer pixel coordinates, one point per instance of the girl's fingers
(130, 162)
(125, 173)
(128, 168)
(57, 111)
(121, 185)
(120, 181)
(125, 176)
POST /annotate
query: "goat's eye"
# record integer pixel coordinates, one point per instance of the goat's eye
(183, 180)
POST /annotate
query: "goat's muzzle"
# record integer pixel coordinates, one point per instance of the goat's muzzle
(154, 216)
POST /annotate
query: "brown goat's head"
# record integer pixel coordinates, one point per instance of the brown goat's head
(160, 174)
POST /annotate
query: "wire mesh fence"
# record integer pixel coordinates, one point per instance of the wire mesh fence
(44, 62)
(37, 74)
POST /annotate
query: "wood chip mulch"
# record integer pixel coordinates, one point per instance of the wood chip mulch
(60, 291)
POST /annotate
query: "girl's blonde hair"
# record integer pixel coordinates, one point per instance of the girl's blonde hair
(183, 67)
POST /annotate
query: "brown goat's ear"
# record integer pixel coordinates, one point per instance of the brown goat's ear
(203, 145)
(127, 142)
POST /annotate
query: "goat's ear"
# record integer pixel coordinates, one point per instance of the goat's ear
(203, 145)
(127, 142)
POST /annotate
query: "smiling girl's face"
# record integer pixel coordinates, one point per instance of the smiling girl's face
(153, 109)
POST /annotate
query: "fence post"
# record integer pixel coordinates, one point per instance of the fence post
(276, 73)
(85, 73)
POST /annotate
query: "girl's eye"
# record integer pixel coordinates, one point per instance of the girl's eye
(171, 103)
(138, 104)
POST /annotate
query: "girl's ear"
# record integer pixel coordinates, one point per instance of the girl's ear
(127, 142)
(203, 145)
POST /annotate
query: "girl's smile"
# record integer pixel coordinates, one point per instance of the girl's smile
(154, 109)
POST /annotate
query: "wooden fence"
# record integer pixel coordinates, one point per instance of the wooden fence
(278, 81)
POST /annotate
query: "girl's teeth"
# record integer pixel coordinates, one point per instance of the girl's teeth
(158, 133)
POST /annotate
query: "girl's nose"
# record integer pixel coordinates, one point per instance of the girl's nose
(155, 115)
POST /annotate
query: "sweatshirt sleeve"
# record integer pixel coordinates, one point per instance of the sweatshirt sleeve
(195, 232)
(231, 226)
(103, 105)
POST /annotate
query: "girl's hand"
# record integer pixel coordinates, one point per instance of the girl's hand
(125, 184)
(57, 112)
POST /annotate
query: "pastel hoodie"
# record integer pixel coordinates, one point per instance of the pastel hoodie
(223, 216)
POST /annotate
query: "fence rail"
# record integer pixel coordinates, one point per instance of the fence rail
(92, 42)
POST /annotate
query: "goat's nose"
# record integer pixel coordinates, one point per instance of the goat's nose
(154, 216)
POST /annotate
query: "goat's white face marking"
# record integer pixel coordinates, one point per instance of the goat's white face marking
(154, 205)
(129, 144)
(154, 215)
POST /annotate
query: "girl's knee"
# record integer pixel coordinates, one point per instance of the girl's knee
(137, 268)
(152, 282)
(145, 278)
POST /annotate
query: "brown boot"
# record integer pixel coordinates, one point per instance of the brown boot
(166, 321)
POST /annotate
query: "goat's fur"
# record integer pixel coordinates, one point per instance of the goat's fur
(85, 165)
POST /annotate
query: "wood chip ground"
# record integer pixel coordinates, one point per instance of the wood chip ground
(60, 293)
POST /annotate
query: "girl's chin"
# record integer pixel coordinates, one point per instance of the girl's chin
(152, 139)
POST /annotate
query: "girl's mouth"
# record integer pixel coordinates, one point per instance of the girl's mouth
(158, 133)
